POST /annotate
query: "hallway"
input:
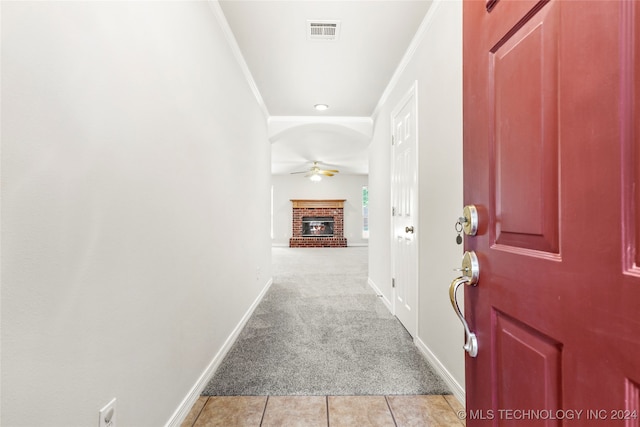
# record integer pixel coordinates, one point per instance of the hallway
(320, 330)
(321, 349)
(138, 180)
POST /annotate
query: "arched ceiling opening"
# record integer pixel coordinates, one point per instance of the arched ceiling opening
(341, 146)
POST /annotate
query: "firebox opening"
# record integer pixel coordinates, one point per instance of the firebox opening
(317, 226)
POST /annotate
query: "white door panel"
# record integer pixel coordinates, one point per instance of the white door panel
(404, 184)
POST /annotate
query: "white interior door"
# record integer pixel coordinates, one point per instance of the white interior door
(404, 186)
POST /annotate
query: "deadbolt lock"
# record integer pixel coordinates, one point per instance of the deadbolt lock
(469, 220)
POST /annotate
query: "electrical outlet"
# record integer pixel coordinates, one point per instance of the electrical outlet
(108, 415)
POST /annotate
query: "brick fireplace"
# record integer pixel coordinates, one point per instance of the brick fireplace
(318, 224)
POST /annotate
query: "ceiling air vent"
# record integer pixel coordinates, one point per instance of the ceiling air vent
(323, 30)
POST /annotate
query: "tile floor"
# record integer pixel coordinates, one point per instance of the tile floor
(325, 411)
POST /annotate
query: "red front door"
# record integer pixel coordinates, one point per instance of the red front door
(552, 161)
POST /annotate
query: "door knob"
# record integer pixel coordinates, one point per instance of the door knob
(470, 275)
(408, 229)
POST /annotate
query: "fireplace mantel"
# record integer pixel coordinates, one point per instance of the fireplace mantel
(299, 203)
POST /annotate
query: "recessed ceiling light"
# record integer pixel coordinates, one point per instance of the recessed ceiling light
(321, 107)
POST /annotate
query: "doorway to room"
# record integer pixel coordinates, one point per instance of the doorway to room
(404, 196)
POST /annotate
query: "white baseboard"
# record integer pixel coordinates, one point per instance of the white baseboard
(456, 388)
(185, 406)
(384, 299)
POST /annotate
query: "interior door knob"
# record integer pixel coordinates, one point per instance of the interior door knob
(408, 229)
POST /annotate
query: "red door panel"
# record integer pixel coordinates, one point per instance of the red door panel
(552, 161)
(524, 130)
(631, 132)
(530, 374)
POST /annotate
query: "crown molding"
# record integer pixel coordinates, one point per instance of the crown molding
(408, 55)
(235, 49)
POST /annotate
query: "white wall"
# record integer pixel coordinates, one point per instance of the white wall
(436, 65)
(125, 133)
(348, 187)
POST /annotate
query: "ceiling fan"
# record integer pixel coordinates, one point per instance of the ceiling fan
(314, 172)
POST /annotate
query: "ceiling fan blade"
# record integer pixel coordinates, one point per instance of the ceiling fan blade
(316, 170)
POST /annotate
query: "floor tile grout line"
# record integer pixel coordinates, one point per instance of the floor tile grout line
(386, 399)
(328, 412)
(264, 411)
(454, 410)
(327, 403)
(200, 411)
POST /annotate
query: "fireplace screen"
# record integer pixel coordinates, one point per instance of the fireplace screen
(317, 226)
